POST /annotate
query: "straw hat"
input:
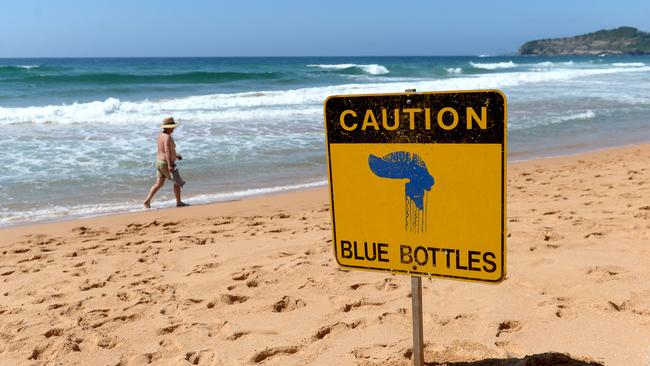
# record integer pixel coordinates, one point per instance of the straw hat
(168, 123)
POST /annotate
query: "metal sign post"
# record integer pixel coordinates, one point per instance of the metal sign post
(418, 336)
(416, 300)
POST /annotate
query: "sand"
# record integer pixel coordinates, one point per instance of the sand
(255, 282)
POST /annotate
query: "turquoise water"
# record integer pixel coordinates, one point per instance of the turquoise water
(80, 133)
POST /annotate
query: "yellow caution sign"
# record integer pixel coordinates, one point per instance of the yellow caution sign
(417, 182)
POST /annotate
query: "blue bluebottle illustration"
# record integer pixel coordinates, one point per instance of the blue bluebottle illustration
(405, 165)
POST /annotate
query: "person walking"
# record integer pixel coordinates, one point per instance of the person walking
(166, 157)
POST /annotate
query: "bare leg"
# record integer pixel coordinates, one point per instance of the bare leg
(177, 193)
(156, 186)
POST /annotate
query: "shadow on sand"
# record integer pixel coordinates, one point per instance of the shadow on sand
(541, 359)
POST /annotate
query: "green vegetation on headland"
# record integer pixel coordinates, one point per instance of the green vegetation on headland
(619, 41)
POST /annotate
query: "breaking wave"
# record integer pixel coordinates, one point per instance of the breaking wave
(494, 65)
(588, 114)
(628, 64)
(372, 69)
(4, 69)
(549, 63)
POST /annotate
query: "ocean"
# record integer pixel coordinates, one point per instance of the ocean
(79, 134)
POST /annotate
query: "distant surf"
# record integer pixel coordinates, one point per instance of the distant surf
(196, 77)
(628, 64)
(372, 69)
(302, 102)
(494, 65)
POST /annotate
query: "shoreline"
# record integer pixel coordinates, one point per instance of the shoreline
(169, 204)
(281, 190)
(266, 202)
(573, 151)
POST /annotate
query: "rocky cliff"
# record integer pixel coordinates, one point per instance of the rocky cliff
(619, 41)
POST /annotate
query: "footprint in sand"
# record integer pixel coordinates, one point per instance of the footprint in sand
(270, 352)
(359, 303)
(337, 327)
(387, 284)
(169, 329)
(595, 234)
(636, 304)
(233, 299)
(562, 310)
(458, 317)
(93, 317)
(188, 239)
(236, 335)
(605, 273)
(398, 313)
(91, 284)
(54, 332)
(242, 275)
(7, 273)
(508, 326)
(88, 232)
(281, 215)
(256, 223)
(369, 352)
(202, 268)
(287, 303)
(55, 306)
(144, 359)
(228, 299)
(107, 342)
(277, 230)
(38, 351)
(202, 357)
(615, 306)
(250, 276)
(549, 234)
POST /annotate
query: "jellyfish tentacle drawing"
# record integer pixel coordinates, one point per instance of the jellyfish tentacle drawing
(406, 165)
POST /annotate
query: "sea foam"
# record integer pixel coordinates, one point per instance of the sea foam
(628, 64)
(19, 67)
(550, 63)
(555, 120)
(494, 65)
(373, 69)
(588, 114)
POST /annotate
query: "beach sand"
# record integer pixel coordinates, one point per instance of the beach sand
(255, 282)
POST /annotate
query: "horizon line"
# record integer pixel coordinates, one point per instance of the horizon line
(262, 56)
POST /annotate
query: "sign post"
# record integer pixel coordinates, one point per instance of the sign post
(418, 334)
(416, 302)
(417, 186)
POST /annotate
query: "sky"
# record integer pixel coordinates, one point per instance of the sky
(158, 28)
